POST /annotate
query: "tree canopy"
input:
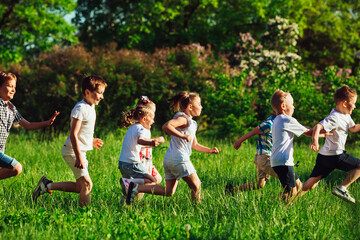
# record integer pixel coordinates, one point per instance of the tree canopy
(28, 27)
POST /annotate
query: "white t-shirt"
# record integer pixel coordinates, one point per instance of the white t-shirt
(130, 150)
(283, 130)
(338, 124)
(179, 149)
(87, 115)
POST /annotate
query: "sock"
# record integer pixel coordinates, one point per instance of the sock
(139, 181)
(342, 188)
(48, 186)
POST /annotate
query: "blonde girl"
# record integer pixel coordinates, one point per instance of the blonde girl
(177, 162)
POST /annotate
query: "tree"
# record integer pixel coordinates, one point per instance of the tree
(28, 27)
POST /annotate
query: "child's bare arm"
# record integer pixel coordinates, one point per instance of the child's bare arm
(74, 131)
(355, 129)
(200, 148)
(255, 131)
(170, 128)
(315, 137)
(36, 125)
(150, 142)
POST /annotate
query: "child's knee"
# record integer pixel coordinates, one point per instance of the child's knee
(158, 179)
(17, 169)
(86, 184)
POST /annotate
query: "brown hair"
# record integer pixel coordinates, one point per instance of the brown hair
(182, 99)
(344, 93)
(92, 83)
(6, 76)
(134, 115)
(277, 99)
(144, 101)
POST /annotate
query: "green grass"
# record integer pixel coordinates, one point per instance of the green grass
(247, 215)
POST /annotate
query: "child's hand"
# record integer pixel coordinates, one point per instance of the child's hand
(97, 143)
(79, 164)
(314, 146)
(237, 144)
(155, 142)
(188, 138)
(214, 150)
(52, 119)
(160, 139)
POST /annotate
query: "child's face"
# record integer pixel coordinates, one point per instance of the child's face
(350, 106)
(94, 97)
(7, 90)
(289, 106)
(196, 107)
(148, 120)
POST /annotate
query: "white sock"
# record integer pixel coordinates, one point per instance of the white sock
(48, 186)
(139, 181)
(342, 188)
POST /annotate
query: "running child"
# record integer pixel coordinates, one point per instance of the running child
(137, 136)
(262, 157)
(10, 167)
(79, 141)
(333, 155)
(177, 162)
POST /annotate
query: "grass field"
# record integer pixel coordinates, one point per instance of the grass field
(248, 215)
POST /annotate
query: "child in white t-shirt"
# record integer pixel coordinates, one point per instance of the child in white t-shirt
(79, 141)
(283, 130)
(332, 155)
(137, 136)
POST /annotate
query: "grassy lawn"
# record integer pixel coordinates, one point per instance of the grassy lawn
(247, 215)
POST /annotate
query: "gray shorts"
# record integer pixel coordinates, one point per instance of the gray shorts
(7, 161)
(132, 170)
(177, 170)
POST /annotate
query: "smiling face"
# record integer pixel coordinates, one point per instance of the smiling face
(148, 120)
(349, 106)
(94, 97)
(7, 90)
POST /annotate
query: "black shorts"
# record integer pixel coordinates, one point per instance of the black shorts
(287, 176)
(326, 164)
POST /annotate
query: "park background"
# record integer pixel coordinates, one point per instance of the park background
(234, 53)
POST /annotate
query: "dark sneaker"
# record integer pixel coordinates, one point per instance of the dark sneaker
(132, 192)
(229, 189)
(124, 182)
(41, 188)
(344, 195)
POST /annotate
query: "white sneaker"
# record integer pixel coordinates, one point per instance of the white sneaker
(124, 182)
(41, 188)
(344, 195)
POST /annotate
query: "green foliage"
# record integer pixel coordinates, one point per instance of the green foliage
(256, 214)
(28, 27)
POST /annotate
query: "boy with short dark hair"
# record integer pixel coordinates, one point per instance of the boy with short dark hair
(332, 155)
(10, 167)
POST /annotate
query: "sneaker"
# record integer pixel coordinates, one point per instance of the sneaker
(229, 189)
(41, 188)
(132, 192)
(124, 182)
(344, 195)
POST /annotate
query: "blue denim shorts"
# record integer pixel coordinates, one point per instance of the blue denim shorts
(6, 161)
(133, 170)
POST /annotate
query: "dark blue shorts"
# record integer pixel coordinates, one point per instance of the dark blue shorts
(287, 176)
(326, 164)
(6, 161)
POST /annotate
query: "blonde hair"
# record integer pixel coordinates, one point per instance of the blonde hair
(344, 93)
(6, 76)
(144, 101)
(134, 115)
(182, 99)
(277, 99)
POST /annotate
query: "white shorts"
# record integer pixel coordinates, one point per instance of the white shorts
(78, 173)
(177, 170)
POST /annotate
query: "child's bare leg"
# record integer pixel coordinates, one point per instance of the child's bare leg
(159, 190)
(7, 172)
(65, 187)
(351, 177)
(84, 186)
(310, 184)
(149, 179)
(194, 183)
(251, 185)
